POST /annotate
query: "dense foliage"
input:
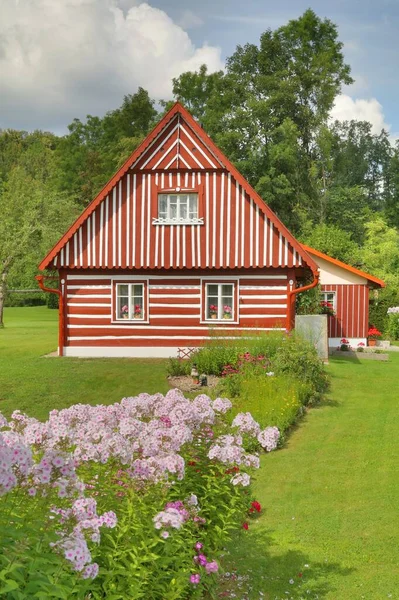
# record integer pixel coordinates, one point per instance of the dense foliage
(335, 185)
(132, 500)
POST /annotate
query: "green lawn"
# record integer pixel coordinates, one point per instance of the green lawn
(35, 384)
(330, 496)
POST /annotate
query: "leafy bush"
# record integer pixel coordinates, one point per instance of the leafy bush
(296, 358)
(393, 323)
(177, 367)
(18, 299)
(52, 300)
(133, 500)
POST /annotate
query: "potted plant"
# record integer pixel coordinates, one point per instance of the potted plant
(327, 308)
(226, 311)
(213, 311)
(360, 347)
(137, 311)
(372, 335)
(345, 345)
(125, 311)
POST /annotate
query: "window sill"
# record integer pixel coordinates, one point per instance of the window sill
(161, 221)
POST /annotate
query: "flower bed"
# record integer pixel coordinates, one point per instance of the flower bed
(132, 500)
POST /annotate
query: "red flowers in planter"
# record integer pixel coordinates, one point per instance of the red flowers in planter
(373, 333)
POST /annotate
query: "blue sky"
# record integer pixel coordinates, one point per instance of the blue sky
(61, 59)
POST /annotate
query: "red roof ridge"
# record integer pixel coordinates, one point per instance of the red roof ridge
(343, 265)
(204, 137)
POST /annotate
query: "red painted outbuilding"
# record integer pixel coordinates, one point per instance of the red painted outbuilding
(177, 246)
(347, 290)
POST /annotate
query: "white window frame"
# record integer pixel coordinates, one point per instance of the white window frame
(324, 298)
(168, 220)
(219, 318)
(131, 318)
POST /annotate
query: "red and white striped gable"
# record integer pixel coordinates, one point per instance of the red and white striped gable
(119, 229)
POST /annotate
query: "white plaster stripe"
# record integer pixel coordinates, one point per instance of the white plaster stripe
(88, 232)
(242, 225)
(87, 287)
(75, 249)
(177, 305)
(120, 224)
(178, 180)
(237, 221)
(170, 180)
(67, 254)
(251, 231)
(134, 223)
(193, 263)
(114, 227)
(162, 180)
(62, 257)
(184, 256)
(136, 326)
(280, 249)
(192, 180)
(165, 139)
(270, 243)
(142, 221)
(172, 296)
(221, 209)
(128, 223)
(265, 226)
(93, 235)
(199, 177)
(198, 246)
(88, 296)
(90, 304)
(286, 252)
(184, 161)
(207, 220)
(257, 237)
(101, 249)
(156, 245)
(80, 247)
(171, 233)
(168, 166)
(214, 222)
(263, 296)
(177, 245)
(197, 146)
(163, 246)
(243, 307)
(228, 219)
(148, 210)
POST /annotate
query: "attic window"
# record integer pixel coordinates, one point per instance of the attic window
(178, 209)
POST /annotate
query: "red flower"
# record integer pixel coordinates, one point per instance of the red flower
(255, 506)
(245, 526)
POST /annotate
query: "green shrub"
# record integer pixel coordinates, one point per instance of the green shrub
(178, 367)
(52, 300)
(296, 358)
(393, 326)
(275, 401)
(17, 299)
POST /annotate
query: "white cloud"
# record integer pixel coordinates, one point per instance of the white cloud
(347, 109)
(189, 20)
(65, 58)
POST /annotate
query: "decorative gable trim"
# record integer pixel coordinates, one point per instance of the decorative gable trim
(85, 245)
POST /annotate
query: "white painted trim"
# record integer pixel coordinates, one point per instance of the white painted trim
(262, 306)
(91, 304)
(156, 305)
(101, 249)
(114, 226)
(264, 296)
(134, 223)
(174, 296)
(198, 147)
(88, 287)
(157, 148)
(106, 230)
(173, 327)
(128, 223)
(74, 277)
(88, 296)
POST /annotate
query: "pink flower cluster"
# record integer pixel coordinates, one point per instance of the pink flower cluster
(268, 438)
(201, 560)
(176, 513)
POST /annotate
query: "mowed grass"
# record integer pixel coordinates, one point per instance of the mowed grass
(330, 496)
(36, 385)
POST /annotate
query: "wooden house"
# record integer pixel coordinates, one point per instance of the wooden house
(177, 246)
(347, 290)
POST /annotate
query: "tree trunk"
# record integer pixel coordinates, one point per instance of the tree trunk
(3, 287)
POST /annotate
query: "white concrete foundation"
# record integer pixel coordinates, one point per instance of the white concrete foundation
(121, 351)
(353, 342)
